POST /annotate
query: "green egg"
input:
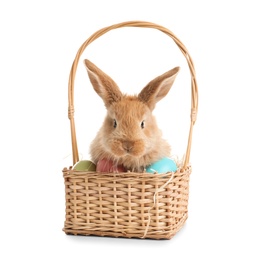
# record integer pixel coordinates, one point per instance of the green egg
(85, 165)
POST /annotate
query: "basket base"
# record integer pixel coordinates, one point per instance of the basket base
(159, 235)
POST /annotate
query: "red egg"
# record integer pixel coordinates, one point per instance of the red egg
(105, 165)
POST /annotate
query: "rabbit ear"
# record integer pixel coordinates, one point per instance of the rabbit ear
(105, 87)
(158, 88)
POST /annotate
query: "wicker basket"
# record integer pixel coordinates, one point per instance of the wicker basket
(132, 205)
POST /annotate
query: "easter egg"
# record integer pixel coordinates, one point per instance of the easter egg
(105, 165)
(85, 165)
(162, 166)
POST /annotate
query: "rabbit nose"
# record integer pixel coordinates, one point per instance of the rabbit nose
(128, 146)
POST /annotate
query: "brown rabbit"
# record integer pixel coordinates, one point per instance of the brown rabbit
(129, 135)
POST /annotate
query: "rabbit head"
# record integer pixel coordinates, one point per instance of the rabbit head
(129, 134)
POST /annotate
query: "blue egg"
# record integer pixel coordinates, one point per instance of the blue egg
(163, 166)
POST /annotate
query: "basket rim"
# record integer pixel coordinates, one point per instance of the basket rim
(180, 171)
(143, 24)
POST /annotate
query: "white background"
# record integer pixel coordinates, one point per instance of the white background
(39, 40)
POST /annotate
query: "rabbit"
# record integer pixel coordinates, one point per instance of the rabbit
(129, 135)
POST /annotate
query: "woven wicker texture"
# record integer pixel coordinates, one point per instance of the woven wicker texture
(139, 205)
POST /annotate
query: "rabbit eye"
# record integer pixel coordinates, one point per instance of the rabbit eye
(142, 124)
(114, 123)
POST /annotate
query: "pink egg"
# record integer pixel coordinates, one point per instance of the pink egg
(105, 165)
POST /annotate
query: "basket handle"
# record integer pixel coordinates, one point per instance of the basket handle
(97, 34)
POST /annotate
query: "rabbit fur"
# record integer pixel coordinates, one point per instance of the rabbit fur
(129, 135)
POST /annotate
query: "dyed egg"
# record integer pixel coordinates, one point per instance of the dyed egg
(162, 166)
(105, 165)
(85, 165)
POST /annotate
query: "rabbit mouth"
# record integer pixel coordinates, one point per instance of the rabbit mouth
(129, 148)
